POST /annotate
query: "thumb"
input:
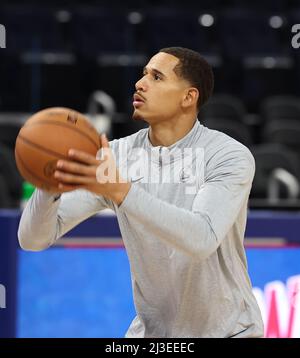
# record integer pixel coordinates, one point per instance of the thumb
(104, 141)
(105, 148)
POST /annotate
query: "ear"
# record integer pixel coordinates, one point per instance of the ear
(190, 97)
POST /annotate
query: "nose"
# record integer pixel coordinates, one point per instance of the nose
(141, 85)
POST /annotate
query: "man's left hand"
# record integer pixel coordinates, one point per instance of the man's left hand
(84, 171)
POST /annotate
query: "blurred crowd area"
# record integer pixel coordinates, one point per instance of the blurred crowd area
(88, 56)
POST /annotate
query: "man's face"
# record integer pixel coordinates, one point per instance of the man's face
(160, 92)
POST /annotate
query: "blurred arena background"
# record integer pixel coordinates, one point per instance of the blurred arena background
(88, 56)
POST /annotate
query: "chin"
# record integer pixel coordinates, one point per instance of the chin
(137, 116)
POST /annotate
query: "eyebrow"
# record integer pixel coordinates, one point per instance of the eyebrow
(154, 70)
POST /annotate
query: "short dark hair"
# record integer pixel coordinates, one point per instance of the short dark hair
(195, 69)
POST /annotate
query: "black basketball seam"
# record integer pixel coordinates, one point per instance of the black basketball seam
(31, 173)
(48, 151)
(63, 125)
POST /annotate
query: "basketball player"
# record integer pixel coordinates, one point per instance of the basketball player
(184, 238)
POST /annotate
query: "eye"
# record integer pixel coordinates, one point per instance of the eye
(156, 77)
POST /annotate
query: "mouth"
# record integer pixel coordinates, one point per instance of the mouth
(138, 100)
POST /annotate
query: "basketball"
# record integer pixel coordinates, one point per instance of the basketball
(47, 137)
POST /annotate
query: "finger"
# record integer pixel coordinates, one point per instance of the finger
(106, 152)
(75, 168)
(82, 157)
(67, 178)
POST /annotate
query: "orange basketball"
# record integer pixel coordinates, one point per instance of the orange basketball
(47, 137)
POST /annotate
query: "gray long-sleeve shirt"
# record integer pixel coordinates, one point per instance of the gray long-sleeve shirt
(182, 223)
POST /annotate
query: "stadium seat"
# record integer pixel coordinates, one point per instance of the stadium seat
(258, 46)
(14, 84)
(165, 27)
(280, 107)
(9, 133)
(231, 127)
(262, 5)
(204, 4)
(5, 201)
(97, 30)
(269, 157)
(261, 80)
(224, 106)
(58, 83)
(283, 131)
(245, 32)
(11, 175)
(32, 28)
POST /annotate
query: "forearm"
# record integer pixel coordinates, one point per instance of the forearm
(45, 220)
(188, 231)
(38, 224)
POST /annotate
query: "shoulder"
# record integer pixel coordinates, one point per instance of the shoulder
(218, 146)
(223, 154)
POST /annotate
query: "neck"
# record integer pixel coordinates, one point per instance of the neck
(166, 133)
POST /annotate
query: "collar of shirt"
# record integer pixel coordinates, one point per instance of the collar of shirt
(168, 155)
